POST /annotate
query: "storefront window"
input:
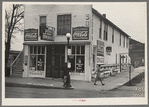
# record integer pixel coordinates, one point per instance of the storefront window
(32, 62)
(78, 49)
(37, 58)
(80, 64)
(73, 49)
(82, 49)
(77, 62)
(31, 49)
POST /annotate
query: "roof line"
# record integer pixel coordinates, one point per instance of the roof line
(105, 19)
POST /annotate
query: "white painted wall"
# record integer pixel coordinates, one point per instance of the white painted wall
(116, 48)
(78, 13)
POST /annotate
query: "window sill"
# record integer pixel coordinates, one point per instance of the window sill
(72, 73)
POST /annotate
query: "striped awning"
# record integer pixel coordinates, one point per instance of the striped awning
(53, 43)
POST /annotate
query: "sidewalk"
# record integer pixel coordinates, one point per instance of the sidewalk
(111, 82)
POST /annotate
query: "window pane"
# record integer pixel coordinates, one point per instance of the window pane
(32, 62)
(65, 24)
(40, 63)
(38, 49)
(78, 49)
(31, 49)
(43, 49)
(35, 49)
(42, 19)
(73, 49)
(80, 64)
(82, 49)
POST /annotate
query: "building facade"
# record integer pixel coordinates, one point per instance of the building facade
(94, 40)
(137, 53)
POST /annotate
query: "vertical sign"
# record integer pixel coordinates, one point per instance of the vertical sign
(87, 20)
(25, 60)
(100, 48)
(100, 52)
(69, 51)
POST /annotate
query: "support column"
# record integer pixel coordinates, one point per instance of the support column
(25, 67)
(88, 62)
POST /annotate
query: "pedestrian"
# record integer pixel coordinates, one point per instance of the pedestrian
(98, 75)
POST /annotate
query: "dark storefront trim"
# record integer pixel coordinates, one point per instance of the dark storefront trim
(47, 43)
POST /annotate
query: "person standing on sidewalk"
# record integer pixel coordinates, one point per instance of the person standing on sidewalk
(98, 75)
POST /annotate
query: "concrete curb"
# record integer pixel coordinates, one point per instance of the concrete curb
(126, 82)
(34, 86)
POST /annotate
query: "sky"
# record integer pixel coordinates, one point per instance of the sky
(131, 17)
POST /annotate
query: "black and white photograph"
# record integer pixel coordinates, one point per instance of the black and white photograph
(74, 53)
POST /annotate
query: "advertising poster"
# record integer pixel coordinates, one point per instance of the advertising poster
(31, 35)
(100, 60)
(48, 35)
(100, 48)
(80, 33)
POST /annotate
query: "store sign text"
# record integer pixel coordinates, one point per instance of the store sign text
(48, 35)
(31, 34)
(80, 33)
(100, 60)
(36, 73)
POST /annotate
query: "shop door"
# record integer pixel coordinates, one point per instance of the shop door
(55, 60)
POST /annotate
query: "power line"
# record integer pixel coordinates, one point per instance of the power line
(50, 10)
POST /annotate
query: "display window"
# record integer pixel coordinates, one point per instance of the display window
(78, 59)
(37, 58)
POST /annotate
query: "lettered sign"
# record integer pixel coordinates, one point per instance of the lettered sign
(31, 35)
(80, 33)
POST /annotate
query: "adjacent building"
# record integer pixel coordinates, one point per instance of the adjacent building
(137, 53)
(94, 40)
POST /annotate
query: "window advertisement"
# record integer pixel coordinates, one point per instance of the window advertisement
(100, 52)
(100, 60)
(37, 59)
(31, 35)
(100, 48)
(80, 33)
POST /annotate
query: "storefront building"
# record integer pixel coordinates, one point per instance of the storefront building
(94, 40)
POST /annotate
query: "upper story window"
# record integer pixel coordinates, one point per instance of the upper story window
(113, 35)
(105, 31)
(63, 24)
(120, 39)
(100, 29)
(127, 42)
(124, 42)
(42, 25)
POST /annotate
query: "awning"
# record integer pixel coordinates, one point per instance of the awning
(53, 43)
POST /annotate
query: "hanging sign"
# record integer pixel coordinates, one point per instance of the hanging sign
(80, 33)
(49, 34)
(31, 35)
(100, 48)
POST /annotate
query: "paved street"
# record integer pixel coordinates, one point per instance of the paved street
(137, 90)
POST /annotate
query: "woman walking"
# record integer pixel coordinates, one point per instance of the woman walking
(98, 76)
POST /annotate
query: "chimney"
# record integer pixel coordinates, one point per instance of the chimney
(104, 15)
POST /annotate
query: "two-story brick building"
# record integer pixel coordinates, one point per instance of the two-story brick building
(94, 40)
